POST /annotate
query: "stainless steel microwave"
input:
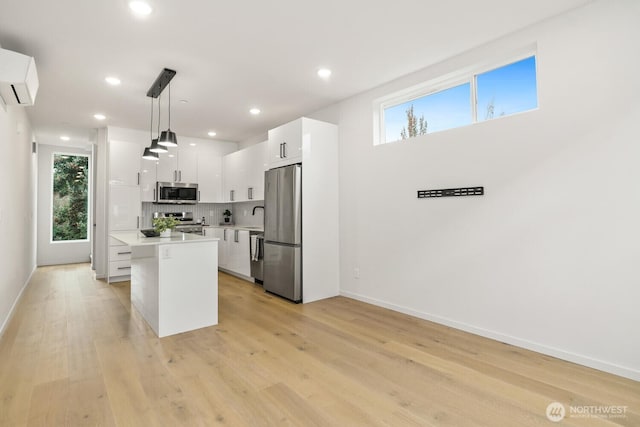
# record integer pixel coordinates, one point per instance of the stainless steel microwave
(177, 193)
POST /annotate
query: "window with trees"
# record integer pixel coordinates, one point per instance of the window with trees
(480, 96)
(70, 202)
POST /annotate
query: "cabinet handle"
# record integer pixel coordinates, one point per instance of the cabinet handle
(154, 195)
(250, 193)
(224, 234)
(137, 222)
(124, 268)
(235, 236)
(284, 149)
(138, 178)
(124, 253)
(231, 194)
(280, 150)
(198, 195)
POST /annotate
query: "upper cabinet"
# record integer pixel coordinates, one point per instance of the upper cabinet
(124, 163)
(209, 174)
(257, 163)
(285, 144)
(148, 180)
(179, 164)
(243, 174)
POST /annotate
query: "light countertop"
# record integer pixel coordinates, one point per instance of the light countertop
(237, 227)
(135, 238)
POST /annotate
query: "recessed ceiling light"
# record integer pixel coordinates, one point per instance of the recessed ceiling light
(140, 8)
(324, 73)
(255, 111)
(113, 81)
(171, 155)
(211, 133)
(184, 101)
(65, 138)
(193, 144)
(99, 116)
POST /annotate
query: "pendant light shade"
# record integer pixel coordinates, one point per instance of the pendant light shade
(150, 155)
(167, 137)
(157, 148)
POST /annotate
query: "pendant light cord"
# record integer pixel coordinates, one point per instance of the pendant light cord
(169, 107)
(152, 118)
(159, 110)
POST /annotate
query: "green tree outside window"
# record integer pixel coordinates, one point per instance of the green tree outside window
(70, 197)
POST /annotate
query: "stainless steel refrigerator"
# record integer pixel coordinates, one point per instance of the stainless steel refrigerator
(283, 232)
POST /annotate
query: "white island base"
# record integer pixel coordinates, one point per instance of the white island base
(174, 281)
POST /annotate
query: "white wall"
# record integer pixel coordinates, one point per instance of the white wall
(547, 258)
(52, 253)
(18, 172)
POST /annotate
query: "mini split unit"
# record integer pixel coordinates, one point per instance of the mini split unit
(18, 78)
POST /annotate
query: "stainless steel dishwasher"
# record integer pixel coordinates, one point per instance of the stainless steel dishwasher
(257, 255)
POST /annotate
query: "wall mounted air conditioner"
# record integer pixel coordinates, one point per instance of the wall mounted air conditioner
(18, 78)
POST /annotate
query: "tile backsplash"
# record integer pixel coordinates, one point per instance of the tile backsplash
(212, 212)
(243, 214)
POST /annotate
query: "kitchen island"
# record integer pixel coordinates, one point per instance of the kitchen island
(174, 280)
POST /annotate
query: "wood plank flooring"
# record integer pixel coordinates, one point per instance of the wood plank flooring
(76, 354)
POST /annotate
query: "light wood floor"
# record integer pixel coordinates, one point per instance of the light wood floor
(76, 354)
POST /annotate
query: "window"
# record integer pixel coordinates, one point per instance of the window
(507, 90)
(70, 200)
(478, 97)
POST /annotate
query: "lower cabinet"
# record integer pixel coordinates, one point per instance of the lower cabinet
(119, 261)
(234, 251)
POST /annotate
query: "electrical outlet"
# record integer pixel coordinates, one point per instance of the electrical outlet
(356, 272)
(166, 253)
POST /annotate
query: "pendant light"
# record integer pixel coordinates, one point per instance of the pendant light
(155, 147)
(148, 154)
(167, 137)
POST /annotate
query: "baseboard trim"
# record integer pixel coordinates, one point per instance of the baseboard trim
(7, 320)
(580, 359)
(238, 275)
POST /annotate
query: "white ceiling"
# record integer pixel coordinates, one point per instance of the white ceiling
(232, 55)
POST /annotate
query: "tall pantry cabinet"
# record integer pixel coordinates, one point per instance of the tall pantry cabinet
(314, 144)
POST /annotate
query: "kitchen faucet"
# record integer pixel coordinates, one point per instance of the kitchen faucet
(256, 207)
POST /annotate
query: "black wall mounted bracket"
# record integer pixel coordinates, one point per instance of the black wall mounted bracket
(161, 82)
(451, 192)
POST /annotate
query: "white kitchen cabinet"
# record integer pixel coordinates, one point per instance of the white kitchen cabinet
(256, 160)
(231, 177)
(285, 144)
(124, 162)
(124, 207)
(240, 256)
(223, 249)
(234, 253)
(124, 214)
(243, 174)
(209, 174)
(148, 180)
(179, 164)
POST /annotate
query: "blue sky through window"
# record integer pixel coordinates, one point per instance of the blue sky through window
(442, 110)
(511, 89)
(503, 91)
